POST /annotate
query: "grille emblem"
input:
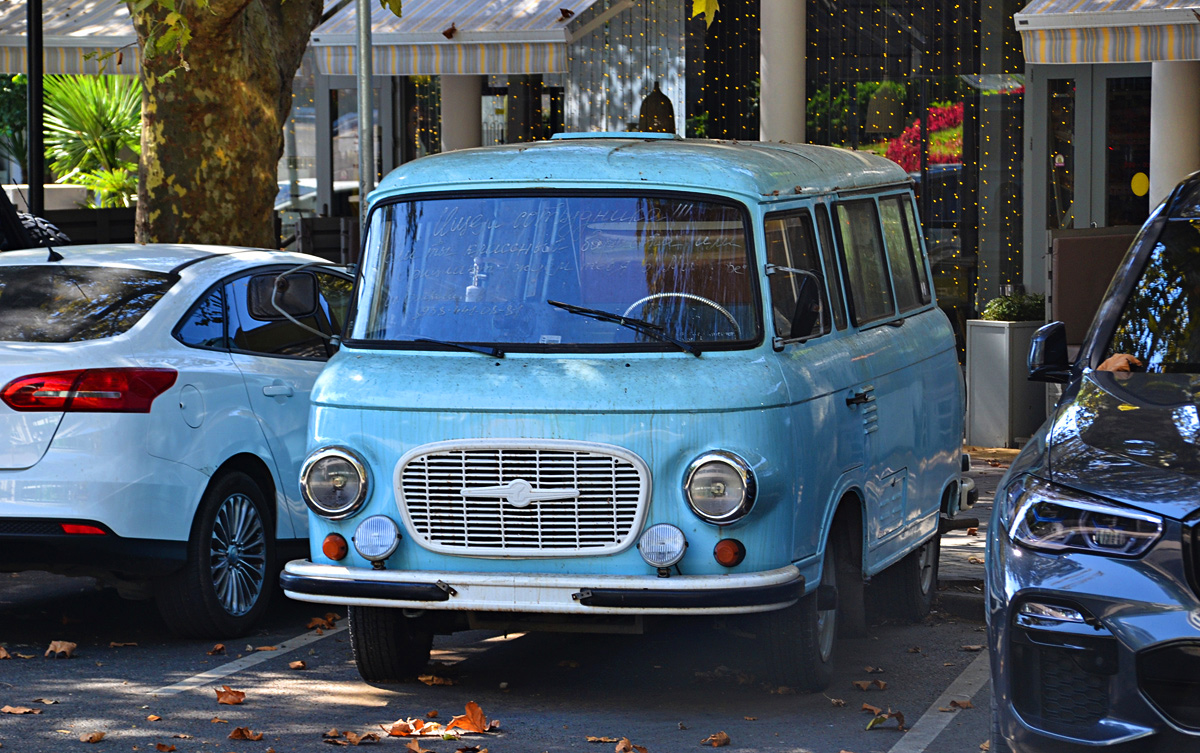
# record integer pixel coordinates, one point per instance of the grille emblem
(519, 493)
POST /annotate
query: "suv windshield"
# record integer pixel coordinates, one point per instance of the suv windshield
(52, 303)
(484, 269)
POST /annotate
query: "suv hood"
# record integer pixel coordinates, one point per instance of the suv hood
(1132, 438)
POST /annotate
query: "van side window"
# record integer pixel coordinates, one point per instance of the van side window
(914, 239)
(833, 274)
(797, 282)
(866, 267)
(900, 254)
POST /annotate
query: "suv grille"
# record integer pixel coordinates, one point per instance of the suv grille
(516, 497)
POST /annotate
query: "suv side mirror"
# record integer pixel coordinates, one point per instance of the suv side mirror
(1048, 360)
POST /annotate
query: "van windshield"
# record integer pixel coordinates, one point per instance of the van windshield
(485, 269)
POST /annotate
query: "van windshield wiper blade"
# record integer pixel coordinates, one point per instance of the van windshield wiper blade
(487, 350)
(637, 325)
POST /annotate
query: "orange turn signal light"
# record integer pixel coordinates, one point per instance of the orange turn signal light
(729, 552)
(335, 547)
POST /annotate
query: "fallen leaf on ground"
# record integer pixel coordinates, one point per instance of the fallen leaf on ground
(25, 656)
(881, 684)
(229, 696)
(975, 560)
(319, 622)
(435, 680)
(153, 718)
(875, 710)
(182, 736)
(592, 739)
(836, 701)
(873, 670)
(47, 701)
(882, 718)
(332, 733)
(244, 733)
(624, 746)
(164, 748)
(915, 650)
(333, 617)
(116, 644)
(336, 741)
(217, 649)
(415, 747)
(431, 714)
(472, 720)
(717, 740)
(750, 718)
(91, 737)
(962, 704)
(4, 653)
(972, 531)
(972, 648)
(298, 664)
(947, 709)
(861, 684)
(357, 739)
(267, 648)
(19, 710)
(947, 664)
(986, 745)
(59, 648)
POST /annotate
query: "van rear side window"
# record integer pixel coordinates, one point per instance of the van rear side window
(870, 288)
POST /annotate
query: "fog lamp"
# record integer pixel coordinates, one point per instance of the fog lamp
(335, 547)
(662, 545)
(729, 552)
(376, 538)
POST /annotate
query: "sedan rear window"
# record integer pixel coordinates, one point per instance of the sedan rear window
(62, 304)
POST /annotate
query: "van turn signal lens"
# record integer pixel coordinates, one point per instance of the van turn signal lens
(729, 552)
(335, 547)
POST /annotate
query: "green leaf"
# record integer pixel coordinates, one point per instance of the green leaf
(172, 18)
(392, 5)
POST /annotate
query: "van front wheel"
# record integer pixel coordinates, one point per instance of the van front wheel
(388, 647)
(800, 639)
(905, 590)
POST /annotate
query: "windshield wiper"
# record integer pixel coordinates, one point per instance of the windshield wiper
(637, 325)
(486, 350)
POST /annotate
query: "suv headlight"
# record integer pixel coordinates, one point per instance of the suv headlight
(333, 482)
(1050, 517)
(720, 487)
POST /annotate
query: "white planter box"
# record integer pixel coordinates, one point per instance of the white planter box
(1003, 407)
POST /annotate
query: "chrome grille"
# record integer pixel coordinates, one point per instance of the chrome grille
(500, 498)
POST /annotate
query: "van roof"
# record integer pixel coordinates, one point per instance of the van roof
(756, 169)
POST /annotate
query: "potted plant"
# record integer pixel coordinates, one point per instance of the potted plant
(1003, 406)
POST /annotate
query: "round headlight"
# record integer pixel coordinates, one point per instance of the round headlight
(333, 482)
(376, 538)
(662, 545)
(720, 487)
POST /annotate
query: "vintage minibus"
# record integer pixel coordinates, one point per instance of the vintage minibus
(606, 379)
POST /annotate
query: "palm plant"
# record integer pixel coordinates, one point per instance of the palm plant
(93, 126)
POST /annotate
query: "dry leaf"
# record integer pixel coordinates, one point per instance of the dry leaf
(972, 531)
(332, 617)
(332, 733)
(592, 739)
(862, 684)
(91, 737)
(217, 649)
(267, 648)
(59, 648)
(915, 650)
(945, 708)
(972, 648)
(431, 714)
(881, 684)
(319, 622)
(47, 701)
(986, 745)
(4, 653)
(881, 718)
(164, 748)
(435, 680)
(962, 704)
(717, 740)
(836, 701)
(320, 631)
(750, 718)
(298, 664)
(415, 747)
(624, 746)
(875, 710)
(357, 739)
(335, 741)
(472, 720)
(25, 656)
(115, 644)
(244, 733)
(947, 664)
(229, 696)
(153, 718)
(19, 710)
(182, 736)
(975, 560)
(219, 720)
(873, 670)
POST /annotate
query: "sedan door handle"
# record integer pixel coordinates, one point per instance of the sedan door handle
(278, 390)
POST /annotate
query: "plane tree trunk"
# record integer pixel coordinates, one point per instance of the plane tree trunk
(213, 112)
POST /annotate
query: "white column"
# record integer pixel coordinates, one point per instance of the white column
(781, 70)
(1174, 125)
(462, 112)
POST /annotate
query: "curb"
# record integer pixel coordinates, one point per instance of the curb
(967, 606)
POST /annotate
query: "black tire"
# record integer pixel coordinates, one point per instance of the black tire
(226, 585)
(388, 647)
(799, 640)
(905, 590)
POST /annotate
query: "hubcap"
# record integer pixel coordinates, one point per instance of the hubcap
(239, 554)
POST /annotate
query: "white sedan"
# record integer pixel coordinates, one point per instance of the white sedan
(153, 419)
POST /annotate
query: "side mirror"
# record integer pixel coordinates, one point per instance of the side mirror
(1048, 360)
(274, 298)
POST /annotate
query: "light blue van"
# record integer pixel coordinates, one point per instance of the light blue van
(608, 378)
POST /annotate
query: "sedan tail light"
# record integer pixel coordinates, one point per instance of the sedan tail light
(89, 390)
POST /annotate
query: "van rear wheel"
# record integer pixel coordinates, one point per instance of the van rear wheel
(905, 590)
(800, 639)
(388, 647)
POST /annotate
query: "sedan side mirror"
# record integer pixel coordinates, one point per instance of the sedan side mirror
(1048, 361)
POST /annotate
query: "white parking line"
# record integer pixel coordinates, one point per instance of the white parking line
(237, 665)
(933, 721)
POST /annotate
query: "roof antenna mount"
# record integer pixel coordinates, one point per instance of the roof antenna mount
(55, 256)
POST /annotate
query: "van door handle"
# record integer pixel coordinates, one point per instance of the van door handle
(279, 389)
(859, 398)
(895, 323)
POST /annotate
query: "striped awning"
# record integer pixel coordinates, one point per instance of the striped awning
(1109, 31)
(76, 34)
(435, 37)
